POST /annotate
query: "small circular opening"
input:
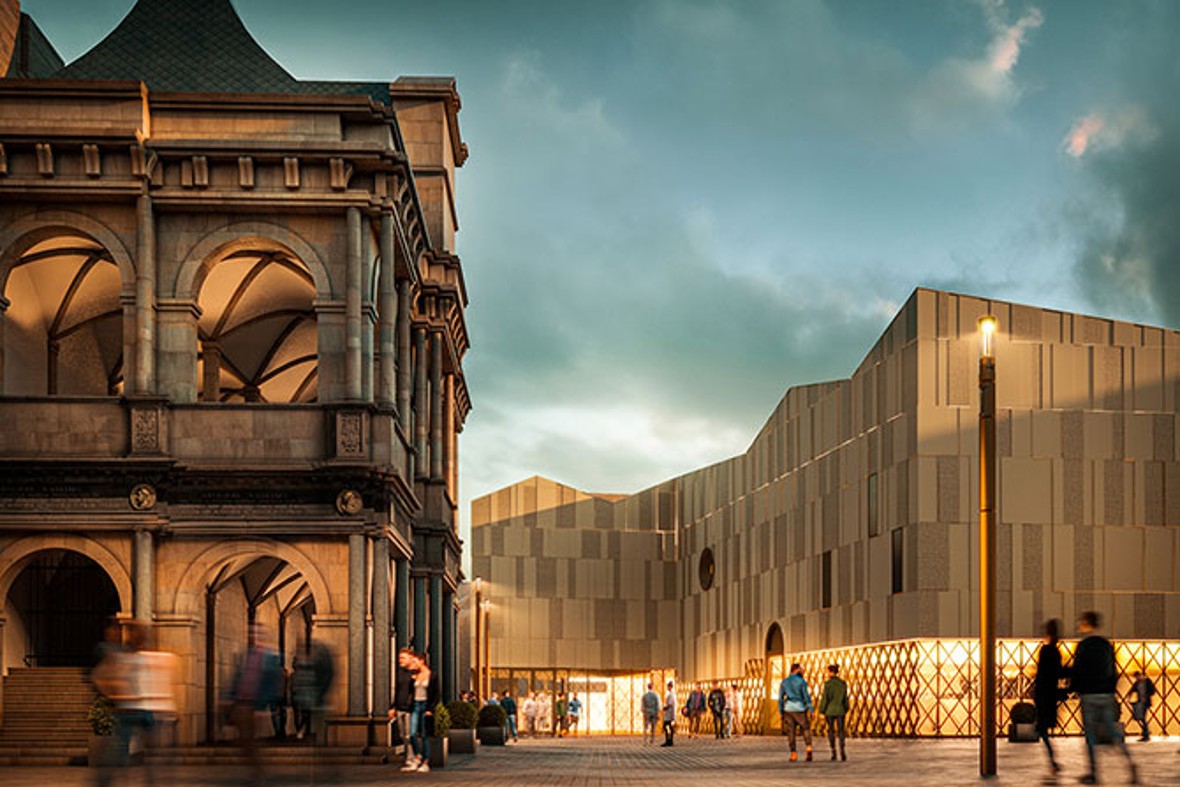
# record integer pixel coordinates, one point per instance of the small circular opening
(707, 569)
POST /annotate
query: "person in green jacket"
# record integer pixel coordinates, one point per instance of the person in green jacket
(833, 704)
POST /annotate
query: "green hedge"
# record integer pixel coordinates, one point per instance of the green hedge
(462, 714)
(492, 716)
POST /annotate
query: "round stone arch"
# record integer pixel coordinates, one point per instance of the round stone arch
(16, 555)
(189, 593)
(31, 229)
(242, 236)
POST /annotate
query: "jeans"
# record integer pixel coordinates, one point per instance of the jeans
(835, 730)
(418, 737)
(1100, 716)
(511, 725)
(1139, 714)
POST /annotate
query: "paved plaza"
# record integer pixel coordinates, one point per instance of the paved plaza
(627, 761)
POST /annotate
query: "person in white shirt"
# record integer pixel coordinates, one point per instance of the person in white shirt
(669, 714)
(529, 707)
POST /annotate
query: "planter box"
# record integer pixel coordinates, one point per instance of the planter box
(438, 752)
(462, 741)
(491, 736)
(1022, 733)
(101, 750)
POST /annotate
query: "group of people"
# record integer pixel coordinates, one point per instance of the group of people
(1093, 676)
(558, 716)
(795, 708)
(416, 693)
(722, 705)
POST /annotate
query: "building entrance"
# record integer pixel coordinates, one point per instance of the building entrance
(56, 609)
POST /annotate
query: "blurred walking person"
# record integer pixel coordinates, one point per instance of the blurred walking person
(122, 677)
(794, 702)
(1046, 693)
(833, 706)
(1094, 679)
(253, 690)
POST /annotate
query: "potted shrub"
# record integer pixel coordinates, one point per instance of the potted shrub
(1023, 723)
(439, 734)
(101, 717)
(462, 736)
(491, 721)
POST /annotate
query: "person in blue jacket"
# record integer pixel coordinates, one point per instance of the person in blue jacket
(794, 703)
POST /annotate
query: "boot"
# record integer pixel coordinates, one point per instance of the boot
(809, 754)
(793, 758)
(833, 755)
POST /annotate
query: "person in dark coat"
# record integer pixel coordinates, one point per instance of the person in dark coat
(1094, 678)
(1046, 694)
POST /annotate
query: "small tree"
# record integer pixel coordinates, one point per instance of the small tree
(442, 721)
(101, 717)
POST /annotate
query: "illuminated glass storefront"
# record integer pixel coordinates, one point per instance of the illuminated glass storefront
(610, 702)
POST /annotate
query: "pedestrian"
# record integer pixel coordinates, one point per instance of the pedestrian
(833, 705)
(669, 714)
(120, 677)
(1144, 690)
(278, 708)
(716, 703)
(1094, 677)
(696, 709)
(509, 706)
(573, 711)
(253, 689)
(794, 703)
(426, 697)
(529, 706)
(403, 702)
(650, 704)
(559, 718)
(733, 709)
(1046, 694)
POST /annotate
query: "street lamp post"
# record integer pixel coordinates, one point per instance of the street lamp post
(486, 610)
(478, 610)
(987, 547)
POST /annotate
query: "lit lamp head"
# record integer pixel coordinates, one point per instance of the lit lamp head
(987, 336)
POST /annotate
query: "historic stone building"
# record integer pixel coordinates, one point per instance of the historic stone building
(231, 342)
(848, 531)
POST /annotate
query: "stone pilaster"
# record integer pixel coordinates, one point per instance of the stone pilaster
(145, 298)
(145, 585)
(356, 625)
(368, 312)
(211, 378)
(421, 404)
(436, 406)
(352, 308)
(419, 613)
(404, 371)
(436, 624)
(176, 354)
(4, 304)
(382, 662)
(448, 645)
(387, 306)
(401, 598)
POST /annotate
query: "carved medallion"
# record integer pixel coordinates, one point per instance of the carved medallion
(142, 497)
(349, 502)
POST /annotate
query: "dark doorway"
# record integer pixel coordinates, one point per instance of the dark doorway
(62, 597)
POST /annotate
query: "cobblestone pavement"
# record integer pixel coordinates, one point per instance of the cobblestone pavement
(627, 761)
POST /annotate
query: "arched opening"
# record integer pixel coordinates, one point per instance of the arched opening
(251, 596)
(257, 330)
(776, 670)
(64, 325)
(55, 609)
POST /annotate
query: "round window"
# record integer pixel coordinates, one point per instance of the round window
(707, 569)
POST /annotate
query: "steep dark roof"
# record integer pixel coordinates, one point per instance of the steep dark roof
(189, 46)
(33, 56)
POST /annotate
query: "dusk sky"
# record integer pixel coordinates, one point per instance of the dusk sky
(675, 210)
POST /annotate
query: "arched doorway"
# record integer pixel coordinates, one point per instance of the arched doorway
(64, 330)
(55, 609)
(776, 670)
(251, 596)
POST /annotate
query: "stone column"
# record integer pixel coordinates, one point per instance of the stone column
(436, 624)
(401, 599)
(352, 308)
(420, 613)
(368, 311)
(211, 382)
(448, 443)
(127, 301)
(448, 645)
(381, 655)
(421, 405)
(403, 355)
(176, 349)
(436, 405)
(145, 586)
(356, 625)
(145, 298)
(387, 303)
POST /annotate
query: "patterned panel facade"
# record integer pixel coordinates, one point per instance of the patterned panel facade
(852, 519)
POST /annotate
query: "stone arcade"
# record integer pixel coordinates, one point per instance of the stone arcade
(231, 342)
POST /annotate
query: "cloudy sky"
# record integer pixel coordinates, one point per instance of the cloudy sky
(674, 210)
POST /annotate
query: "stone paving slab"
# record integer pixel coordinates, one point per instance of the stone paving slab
(602, 761)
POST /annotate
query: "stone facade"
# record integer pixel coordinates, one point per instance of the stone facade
(231, 341)
(852, 519)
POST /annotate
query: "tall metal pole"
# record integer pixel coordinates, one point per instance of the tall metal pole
(478, 610)
(987, 554)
